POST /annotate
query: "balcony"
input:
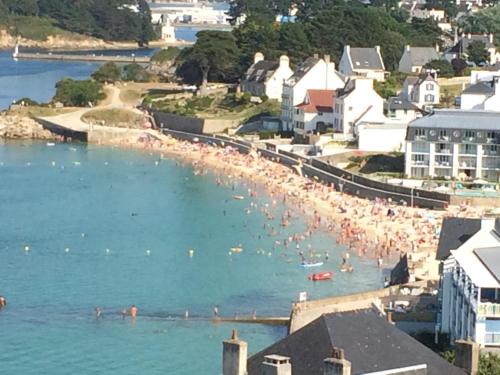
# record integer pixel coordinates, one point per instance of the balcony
(490, 310)
(492, 338)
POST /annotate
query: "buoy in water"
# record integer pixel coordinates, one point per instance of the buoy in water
(53, 163)
(191, 253)
(26, 248)
(148, 252)
(108, 251)
(66, 250)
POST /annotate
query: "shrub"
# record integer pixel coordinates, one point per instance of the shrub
(108, 72)
(71, 92)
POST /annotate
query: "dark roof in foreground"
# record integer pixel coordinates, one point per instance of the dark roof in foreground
(395, 103)
(370, 343)
(458, 119)
(455, 231)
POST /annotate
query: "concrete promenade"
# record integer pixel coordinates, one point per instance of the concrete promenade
(74, 57)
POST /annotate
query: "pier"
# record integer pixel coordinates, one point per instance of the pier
(74, 57)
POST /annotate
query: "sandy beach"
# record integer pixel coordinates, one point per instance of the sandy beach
(374, 229)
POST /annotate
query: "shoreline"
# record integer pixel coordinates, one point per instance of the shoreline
(359, 224)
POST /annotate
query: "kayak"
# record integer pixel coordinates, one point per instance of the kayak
(238, 197)
(321, 276)
(308, 265)
(236, 249)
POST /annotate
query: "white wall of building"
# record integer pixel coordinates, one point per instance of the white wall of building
(361, 104)
(320, 77)
(382, 137)
(274, 86)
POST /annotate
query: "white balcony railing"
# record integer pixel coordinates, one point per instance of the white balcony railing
(489, 309)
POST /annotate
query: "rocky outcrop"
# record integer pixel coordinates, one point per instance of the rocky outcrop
(21, 127)
(71, 41)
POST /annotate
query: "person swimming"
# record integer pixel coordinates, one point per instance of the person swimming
(123, 313)
(98, 312)
(3, 302)
(133, 311)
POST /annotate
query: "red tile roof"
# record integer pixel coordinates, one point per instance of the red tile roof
(318, 101)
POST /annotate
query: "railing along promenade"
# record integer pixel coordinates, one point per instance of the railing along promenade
(340, 179)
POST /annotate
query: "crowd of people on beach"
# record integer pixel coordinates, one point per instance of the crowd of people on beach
(378, 229)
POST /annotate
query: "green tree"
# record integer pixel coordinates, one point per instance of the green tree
(486, 20)
(489, 363)
(293, 42)
(459, 66)
(136, 73)
(108, 72)
(214, 57)
(22, 7)
(443, 67)
(477, 53)
(71, 92)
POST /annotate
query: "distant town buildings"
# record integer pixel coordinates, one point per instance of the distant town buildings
(167, 31)
(362, 62)
(267, 77)
(314, 74)
(454, 143)
(469, 250)
(422, 91)
(414, 58)
(460, 49)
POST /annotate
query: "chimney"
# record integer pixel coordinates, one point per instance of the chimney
(469, 35)
(437, 47)
(467, 356)
(258, 57)
(408, 48)
(316, 56)
(490, 37)
(276, 365)
(389, 317)
(377, 48)
(337, 364)
(234, 356)
(327, 59)
(284, 61)
(347, 49)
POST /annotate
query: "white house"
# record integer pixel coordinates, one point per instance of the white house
(414, 58)
(422, 91)
(315, 113)
(364, 62)
(470, 286)
(357, 102)
(483, 95)
(267, 77)
(460, 49)
(313, 74)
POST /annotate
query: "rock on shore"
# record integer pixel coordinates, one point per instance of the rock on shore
(21, 127)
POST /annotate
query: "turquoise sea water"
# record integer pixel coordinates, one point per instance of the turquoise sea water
(122, 201)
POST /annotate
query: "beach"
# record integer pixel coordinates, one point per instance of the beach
(376, 229)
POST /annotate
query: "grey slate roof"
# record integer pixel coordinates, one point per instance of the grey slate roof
(420, 56)
(490, 257)
(261, 71)
(463, 43)
(480, 88)
(366, 58)
(455, 231)
(302, 70)
(370, 343)
(396, 103)
(458, 119)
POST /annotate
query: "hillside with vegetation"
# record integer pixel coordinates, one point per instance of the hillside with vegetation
(320, 26)
(111, 20)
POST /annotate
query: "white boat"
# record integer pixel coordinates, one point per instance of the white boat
(310, 264)
(50, 144)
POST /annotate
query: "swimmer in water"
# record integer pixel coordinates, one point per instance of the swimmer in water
(3, 302)
(133, 311)
(123, 313)
(98, 313)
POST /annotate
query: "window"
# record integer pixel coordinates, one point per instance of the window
(429, 87)
(419, 157)
(470, 134)
(490, 135)
(320, 113)
(420, 132)
(297, 112)
(350, 108)
(443, 133)
(429, 98)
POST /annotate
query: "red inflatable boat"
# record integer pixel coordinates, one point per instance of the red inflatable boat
(321, 276)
